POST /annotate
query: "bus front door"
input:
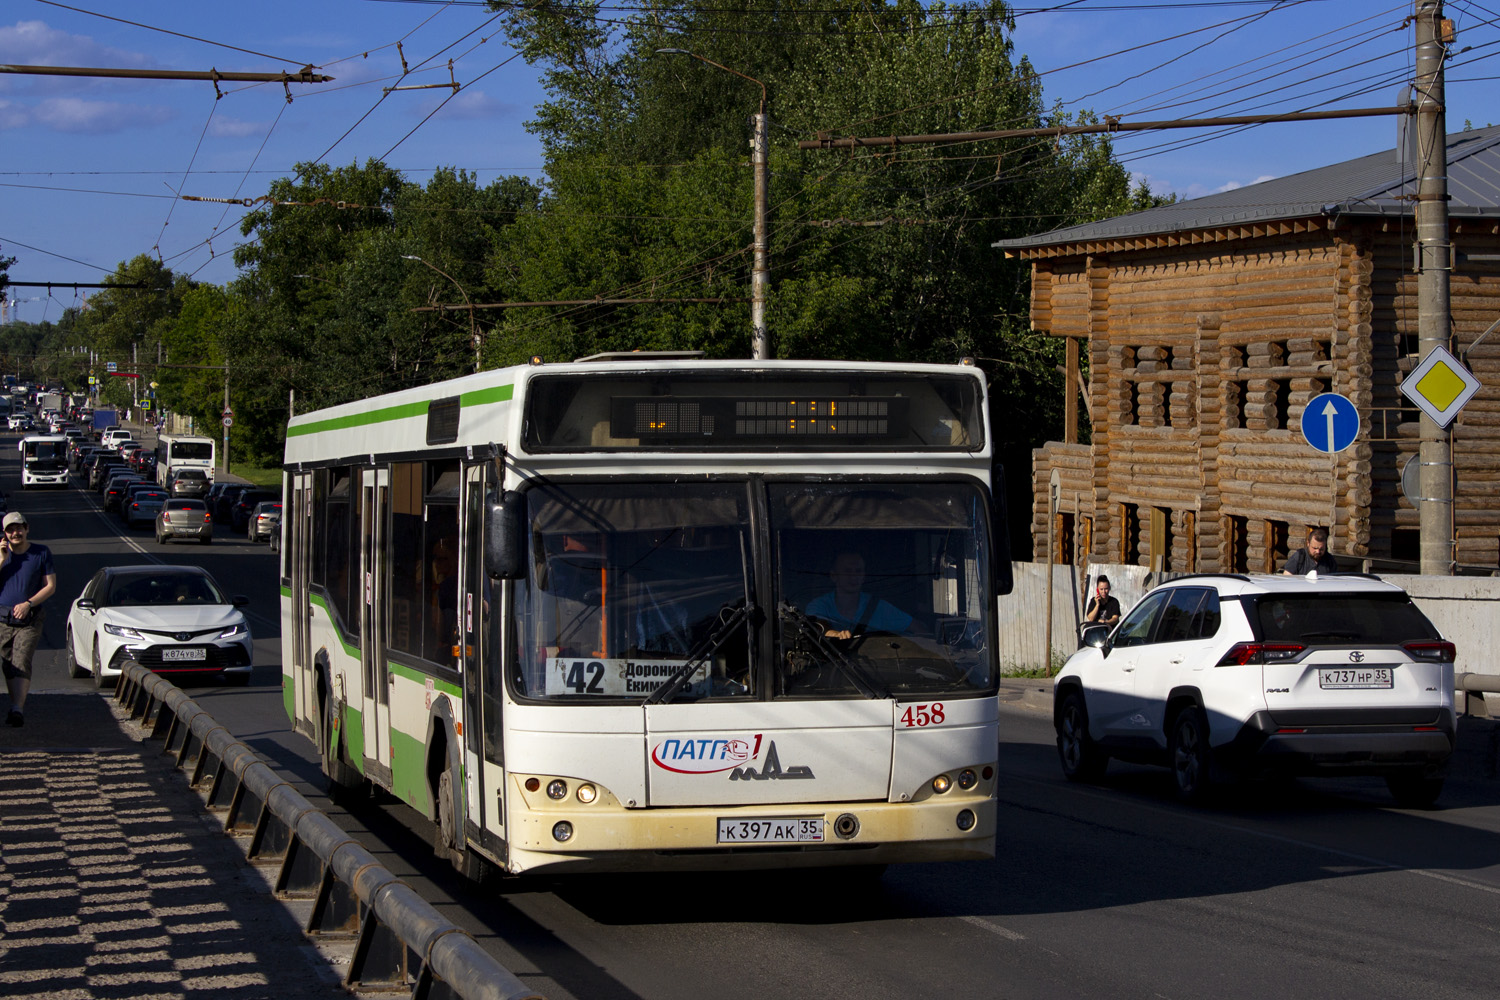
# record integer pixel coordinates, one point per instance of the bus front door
(303, 706)
(484, 760)
(374, 515)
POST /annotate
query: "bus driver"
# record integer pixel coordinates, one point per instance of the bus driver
(847, 610)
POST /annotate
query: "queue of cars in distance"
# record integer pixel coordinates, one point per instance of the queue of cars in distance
(1219, 675)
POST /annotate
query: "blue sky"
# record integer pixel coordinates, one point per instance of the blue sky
(89, 167)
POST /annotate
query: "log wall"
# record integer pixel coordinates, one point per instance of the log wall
(1203, 357)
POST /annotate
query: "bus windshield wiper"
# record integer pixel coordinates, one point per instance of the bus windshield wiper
(700, 653)
(867, 685)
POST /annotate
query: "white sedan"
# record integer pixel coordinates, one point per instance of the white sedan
(173, 620)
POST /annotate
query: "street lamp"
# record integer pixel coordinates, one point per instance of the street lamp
(760, 275)
(473, 327)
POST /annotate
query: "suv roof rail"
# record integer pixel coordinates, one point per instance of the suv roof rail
(1215, 576)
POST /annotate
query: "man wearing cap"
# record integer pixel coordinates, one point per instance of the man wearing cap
(27, 580)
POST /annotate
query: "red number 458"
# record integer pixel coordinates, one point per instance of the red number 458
(917, 716)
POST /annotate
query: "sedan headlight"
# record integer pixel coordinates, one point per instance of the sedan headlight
(123, 632)
(234, 631)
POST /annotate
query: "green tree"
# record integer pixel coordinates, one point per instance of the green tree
(5, 263)
(881, 254)
(324, 309)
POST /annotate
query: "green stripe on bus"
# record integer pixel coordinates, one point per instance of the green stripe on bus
(401, 669)
(421, 677)
(479, 397)
(402, 411)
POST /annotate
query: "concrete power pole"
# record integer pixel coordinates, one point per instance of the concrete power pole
(1434, 264)
(760, 277)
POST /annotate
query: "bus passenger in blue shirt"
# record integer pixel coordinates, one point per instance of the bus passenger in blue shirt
(848, 610)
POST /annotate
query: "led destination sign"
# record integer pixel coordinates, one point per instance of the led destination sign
(700, 418)
(729, 411)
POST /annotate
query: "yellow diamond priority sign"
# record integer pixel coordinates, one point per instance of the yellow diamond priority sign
(1440, 386)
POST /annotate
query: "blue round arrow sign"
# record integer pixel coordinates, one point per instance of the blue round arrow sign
(1330, 423)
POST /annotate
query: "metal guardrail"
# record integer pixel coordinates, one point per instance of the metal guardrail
(1478, 683)
(400, 941)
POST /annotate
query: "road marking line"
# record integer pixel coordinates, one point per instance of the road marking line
(993, 928)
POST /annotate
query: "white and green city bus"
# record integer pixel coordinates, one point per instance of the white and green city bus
(647, 612)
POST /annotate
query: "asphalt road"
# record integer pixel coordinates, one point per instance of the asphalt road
(1309, 888)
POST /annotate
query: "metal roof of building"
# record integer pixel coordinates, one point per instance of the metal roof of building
(1368, 185)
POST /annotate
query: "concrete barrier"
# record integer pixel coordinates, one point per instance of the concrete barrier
(401, 943)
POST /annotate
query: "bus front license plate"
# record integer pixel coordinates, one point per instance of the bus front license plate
(777, 830)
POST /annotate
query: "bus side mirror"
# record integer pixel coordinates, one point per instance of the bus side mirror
(505, 537)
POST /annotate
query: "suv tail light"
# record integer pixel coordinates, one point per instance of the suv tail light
(1432, 651)
(1243, 654)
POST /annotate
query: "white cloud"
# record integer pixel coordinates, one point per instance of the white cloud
(32, 43)
(75, 115)
(472, 105)
(1235, 185)
(224, 127)
(12, 115)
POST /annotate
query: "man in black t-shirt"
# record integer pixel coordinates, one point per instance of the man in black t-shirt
(1313, 556)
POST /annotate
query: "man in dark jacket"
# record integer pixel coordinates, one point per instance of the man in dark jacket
(1313, 556)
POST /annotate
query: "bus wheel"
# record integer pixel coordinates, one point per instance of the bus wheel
(450, 838)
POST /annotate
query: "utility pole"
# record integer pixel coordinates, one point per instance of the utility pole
(1434, 262)
(227, 418)
(760, 146)
(760, 276)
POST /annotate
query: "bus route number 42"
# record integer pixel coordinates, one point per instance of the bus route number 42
(918, 716)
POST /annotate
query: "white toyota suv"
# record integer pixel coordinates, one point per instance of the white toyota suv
(1227, 674)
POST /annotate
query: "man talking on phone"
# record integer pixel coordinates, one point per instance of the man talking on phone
(27, 579)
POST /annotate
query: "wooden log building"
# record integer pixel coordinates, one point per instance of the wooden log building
(1207, 325)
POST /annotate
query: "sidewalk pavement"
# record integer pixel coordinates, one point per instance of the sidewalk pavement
(115, 882)
(1028, 692)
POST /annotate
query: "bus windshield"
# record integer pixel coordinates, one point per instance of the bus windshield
(872, 592)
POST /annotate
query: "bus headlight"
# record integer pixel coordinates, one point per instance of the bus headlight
(562, 832)
(967, 779)
(941, 783)
(587, 793)
(966, 820)
(557, 789)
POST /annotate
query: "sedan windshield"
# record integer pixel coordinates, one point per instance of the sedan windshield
(162, 589)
